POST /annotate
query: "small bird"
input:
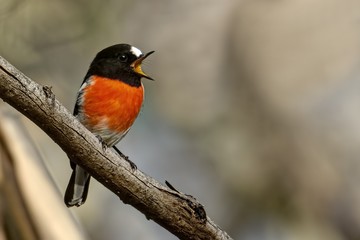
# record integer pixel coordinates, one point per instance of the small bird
(108, 102)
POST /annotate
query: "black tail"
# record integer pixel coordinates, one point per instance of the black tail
(77, 189)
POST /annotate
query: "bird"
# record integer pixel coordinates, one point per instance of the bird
(107, 104)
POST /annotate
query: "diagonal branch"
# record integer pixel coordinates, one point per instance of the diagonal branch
(179, 213)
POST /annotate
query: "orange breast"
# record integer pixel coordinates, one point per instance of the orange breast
(112, 102)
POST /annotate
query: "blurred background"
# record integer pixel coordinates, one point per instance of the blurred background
(255, 108)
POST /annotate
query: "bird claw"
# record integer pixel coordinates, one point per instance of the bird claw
(132, 164)
(103, 144)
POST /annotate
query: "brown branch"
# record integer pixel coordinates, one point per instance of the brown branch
(179, 213)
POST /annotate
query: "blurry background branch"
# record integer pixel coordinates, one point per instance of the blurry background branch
(31, 205)
(179, 213)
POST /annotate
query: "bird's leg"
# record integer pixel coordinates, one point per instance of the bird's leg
(121, 154)
(103, 144)
(132, 164)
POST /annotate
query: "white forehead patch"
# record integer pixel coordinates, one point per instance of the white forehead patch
(136, 51)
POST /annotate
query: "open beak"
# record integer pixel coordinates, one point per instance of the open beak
(136, 65)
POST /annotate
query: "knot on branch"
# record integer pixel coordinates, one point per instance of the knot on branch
(193, 206)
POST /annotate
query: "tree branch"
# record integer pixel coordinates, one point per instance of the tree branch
(179, 213)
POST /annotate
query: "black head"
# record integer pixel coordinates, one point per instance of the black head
(121, 62)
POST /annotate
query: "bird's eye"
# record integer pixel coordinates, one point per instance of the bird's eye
(123, 57)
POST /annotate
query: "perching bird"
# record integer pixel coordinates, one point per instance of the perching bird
(108, 102)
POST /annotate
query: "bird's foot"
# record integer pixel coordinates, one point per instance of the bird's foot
(103, 144)
(132, 164)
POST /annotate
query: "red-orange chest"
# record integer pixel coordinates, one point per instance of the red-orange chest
(111, 103)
